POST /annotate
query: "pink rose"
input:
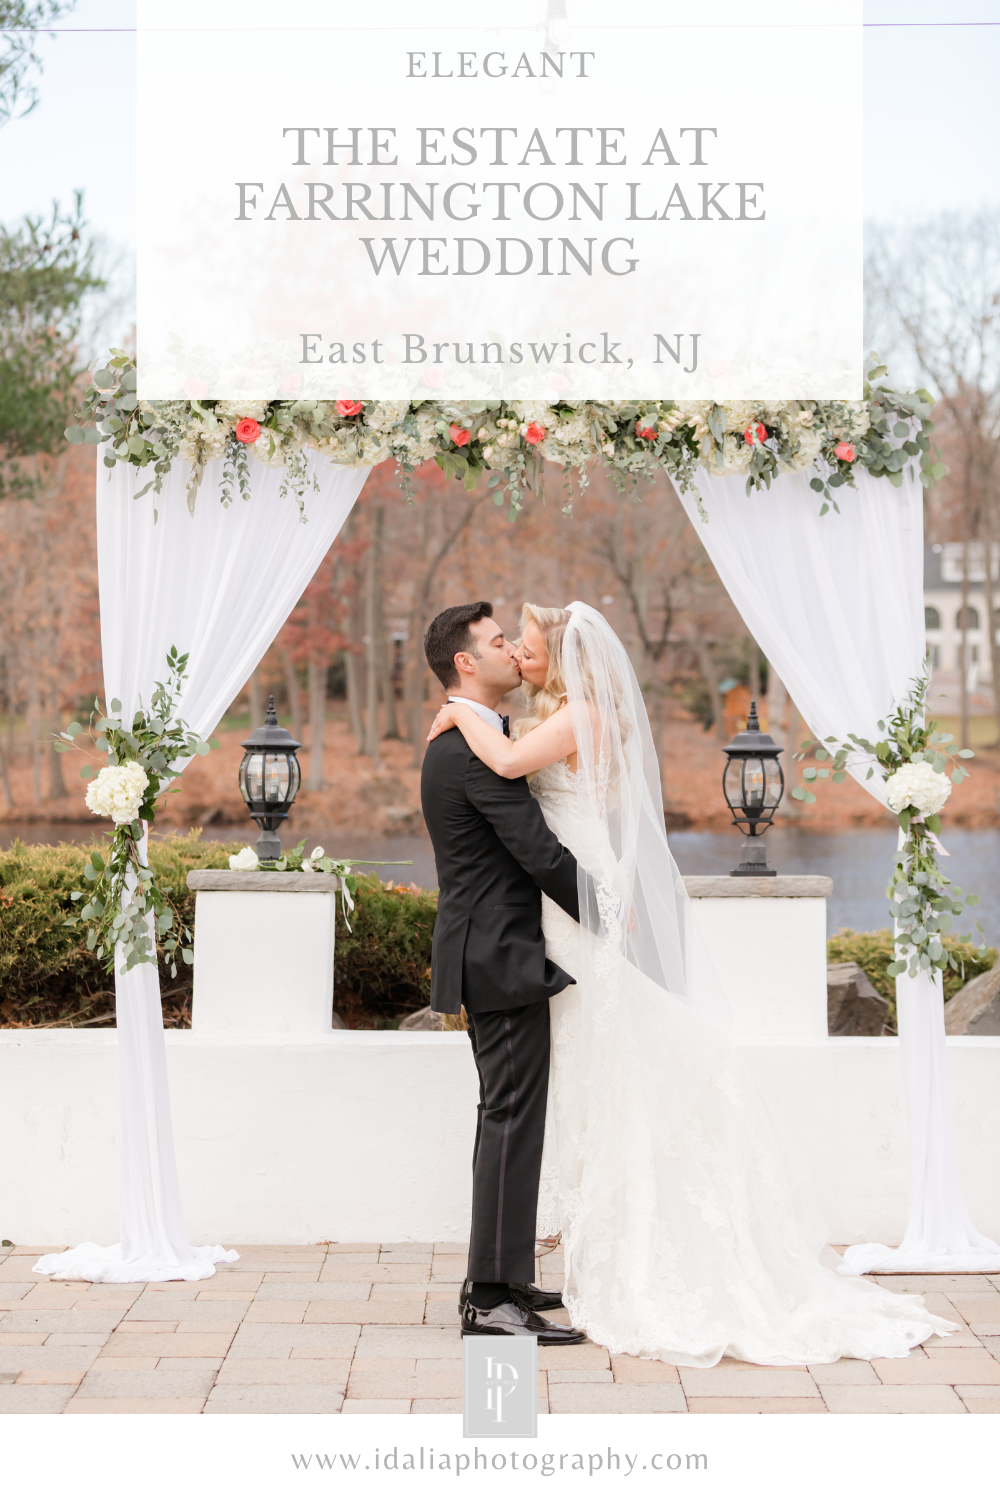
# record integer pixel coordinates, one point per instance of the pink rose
(247, 430)
(350, 408)
(755, 434)
(459, 435)
(535, 433)
(195, 390)
(649, 433)
(845, 452)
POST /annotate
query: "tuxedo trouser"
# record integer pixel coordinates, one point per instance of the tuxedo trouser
(511, 1049)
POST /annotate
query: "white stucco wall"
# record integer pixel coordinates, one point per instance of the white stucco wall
(368, 1135)
(310, 1134)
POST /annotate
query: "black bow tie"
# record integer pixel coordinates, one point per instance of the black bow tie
(506, 725)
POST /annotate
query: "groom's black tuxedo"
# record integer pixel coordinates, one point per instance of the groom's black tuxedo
(495, 855)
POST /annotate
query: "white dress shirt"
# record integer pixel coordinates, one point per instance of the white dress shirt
(487, 715)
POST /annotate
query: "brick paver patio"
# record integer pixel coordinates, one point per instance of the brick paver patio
(374, 1328)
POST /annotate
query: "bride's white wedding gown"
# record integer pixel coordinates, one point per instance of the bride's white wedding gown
(683, 1238)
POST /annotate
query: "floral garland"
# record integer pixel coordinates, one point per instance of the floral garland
(126, 905)
(914, 759)
(506, 442)
(295, 860)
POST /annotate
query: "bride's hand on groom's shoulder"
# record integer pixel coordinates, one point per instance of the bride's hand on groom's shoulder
(445, 719)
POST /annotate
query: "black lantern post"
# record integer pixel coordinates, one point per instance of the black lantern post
(269, 780)
(752, 784)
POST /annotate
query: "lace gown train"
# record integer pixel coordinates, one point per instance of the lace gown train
(683, 1237)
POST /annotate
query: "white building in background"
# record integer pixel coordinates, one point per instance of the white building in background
(943, 623)
(943, 609)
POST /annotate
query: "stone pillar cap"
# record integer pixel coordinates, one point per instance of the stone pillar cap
(815, 886)
(290, 882)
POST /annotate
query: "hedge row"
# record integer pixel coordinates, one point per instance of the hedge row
(47, 975)
(382, 965)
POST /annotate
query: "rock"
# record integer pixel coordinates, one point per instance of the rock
(406, 820)
(975, 1010)
(854, 1006)
(338, 1022)
(423, 1020)
(383, 789)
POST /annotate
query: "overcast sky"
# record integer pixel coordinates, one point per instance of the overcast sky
(932, 109)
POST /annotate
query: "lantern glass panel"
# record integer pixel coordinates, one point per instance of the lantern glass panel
(753, 784)
(266, 776)
(733, 783)
(775, 783)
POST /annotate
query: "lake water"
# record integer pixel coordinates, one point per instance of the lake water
(858, 861)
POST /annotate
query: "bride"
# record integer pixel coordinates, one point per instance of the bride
(684, 1239)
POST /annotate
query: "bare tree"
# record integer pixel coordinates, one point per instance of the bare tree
(373, 584)
(436, 549)
(935, 290)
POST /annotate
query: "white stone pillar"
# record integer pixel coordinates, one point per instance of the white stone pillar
(263, 951)
(766, 937)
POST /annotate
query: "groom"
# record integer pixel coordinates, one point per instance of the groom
(495, 855)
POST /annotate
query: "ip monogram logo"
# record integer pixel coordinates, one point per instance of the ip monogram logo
(500, 1387)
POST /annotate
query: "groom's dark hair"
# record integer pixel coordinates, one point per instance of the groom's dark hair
(449, 633)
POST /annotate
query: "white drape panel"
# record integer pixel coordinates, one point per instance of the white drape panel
(218, 585)
(836, 604)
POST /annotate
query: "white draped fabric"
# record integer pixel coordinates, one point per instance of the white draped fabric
(836, 604)
(219, 585)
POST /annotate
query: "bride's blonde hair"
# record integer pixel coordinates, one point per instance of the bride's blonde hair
(543, 701)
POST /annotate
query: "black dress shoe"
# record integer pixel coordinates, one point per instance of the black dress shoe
(534, 1297)
(514, 1318)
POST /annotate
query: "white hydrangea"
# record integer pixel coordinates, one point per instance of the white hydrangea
(918, 785)
(261, 449)
(734, 458)
(234, 411)
(385, 415)
(425, 444)
(807, 445)
(245, 860)
(202, 443)
(742, 414)
(117, 792)
(535, 411)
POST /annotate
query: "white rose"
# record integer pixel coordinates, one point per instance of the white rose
(245, 860)
(117, 792)
(917, 785)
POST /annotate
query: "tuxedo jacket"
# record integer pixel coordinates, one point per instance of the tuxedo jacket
(495, 855)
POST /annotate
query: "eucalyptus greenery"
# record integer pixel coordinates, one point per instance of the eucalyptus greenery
(506, 443)
(126, 907)
(922, 899)
(294, 860)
